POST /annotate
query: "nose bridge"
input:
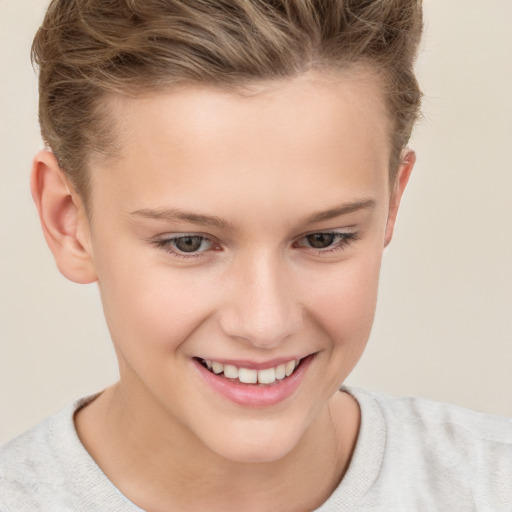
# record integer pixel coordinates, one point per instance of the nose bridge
(262, 306)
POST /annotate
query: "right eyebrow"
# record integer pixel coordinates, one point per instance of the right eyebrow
(181, 215)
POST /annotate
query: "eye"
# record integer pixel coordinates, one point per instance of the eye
(189, 243)
(327, 242)
(320, 240)
(185, 246)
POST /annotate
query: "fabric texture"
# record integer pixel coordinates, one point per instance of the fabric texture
(411, 455)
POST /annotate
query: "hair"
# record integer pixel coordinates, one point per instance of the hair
(87, 50)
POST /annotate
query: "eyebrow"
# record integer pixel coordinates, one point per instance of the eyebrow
(214, 221)
(176, 214)
(338, 211)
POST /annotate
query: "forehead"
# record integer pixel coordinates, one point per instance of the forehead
(310, 134)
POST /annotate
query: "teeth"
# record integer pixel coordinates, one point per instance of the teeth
(290, 366)
(281, 371)
(267, 376)
(251, 376)
(248, 376)
(230, 371)
(217, 367)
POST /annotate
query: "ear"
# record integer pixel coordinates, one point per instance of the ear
(408, 159)
(63, 219)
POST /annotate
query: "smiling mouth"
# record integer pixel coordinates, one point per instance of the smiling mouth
(266, 376)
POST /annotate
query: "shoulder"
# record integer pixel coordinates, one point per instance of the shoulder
(447, 422)
(47, 468)
(29, 464)
(444, 448)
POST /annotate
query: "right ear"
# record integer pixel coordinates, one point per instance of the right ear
(63, 219)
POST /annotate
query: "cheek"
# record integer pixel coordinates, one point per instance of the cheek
(153, 306)
(344, 301)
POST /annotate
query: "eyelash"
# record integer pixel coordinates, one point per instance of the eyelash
(341, 241)
(166, 245)
(345, 239)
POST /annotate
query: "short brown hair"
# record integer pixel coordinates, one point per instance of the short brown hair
(87, 49)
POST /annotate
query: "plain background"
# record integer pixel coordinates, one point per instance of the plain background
(444, 321)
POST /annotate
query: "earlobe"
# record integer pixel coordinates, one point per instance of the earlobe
(63, 219)
(408, 159)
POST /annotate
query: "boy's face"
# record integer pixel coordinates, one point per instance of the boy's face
(282, 203)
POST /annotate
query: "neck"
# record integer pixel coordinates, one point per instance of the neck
(159, 464)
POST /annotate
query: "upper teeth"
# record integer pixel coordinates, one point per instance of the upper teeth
(252, 376)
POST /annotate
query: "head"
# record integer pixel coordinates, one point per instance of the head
(88, 51)
(229, 173)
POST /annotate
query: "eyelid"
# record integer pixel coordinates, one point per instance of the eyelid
(348, 231)
(165, 243)
(345, 230)
(346, 238)
(176, 236)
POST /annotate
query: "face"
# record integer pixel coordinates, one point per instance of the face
(236, 234)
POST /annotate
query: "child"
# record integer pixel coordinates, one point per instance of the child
(230, 173)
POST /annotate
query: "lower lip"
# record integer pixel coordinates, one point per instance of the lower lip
(255, 395)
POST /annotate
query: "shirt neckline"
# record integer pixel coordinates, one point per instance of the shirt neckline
(367, 459)
(363, 470)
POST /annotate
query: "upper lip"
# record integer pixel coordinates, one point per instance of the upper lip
(253, 365)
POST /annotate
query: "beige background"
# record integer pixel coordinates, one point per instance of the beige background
(444, 322)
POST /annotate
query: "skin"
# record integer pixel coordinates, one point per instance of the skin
(263, 163)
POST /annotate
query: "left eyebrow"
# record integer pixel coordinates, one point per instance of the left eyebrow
(338, 211)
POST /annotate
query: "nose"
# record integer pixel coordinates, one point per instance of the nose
(262, 307)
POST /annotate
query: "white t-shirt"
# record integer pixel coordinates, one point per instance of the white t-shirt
(411, 455)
